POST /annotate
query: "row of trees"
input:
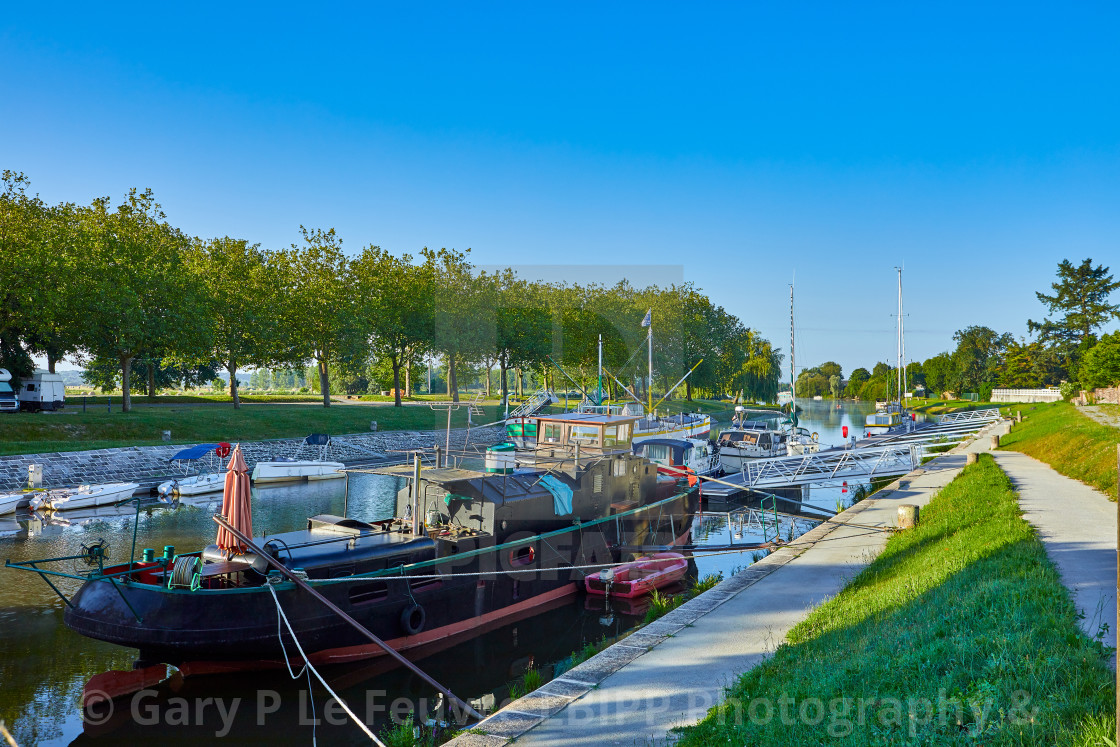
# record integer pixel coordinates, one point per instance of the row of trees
(1065, 348)
(122, 290)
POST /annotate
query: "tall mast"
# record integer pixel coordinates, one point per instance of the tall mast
(899, 338)
(792, 360)
(649, 340)
(600, 395)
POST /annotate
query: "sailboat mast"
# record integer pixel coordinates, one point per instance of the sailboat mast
(792, 360)
(649, 387)
(899, 338)
(600, 395)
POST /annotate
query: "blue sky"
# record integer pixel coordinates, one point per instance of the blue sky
(976, 146)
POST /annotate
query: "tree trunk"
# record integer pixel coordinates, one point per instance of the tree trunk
(126, 381)
(232, 368)
(503, 377)
(51, 360)
(407, 377)
(489, 373)
(396, 381)
(151, 380)
(520, 384)
(452, 380)
(324, 382)
(688, 390)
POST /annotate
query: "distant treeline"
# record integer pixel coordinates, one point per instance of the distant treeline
(1066, 350)
(121, 290)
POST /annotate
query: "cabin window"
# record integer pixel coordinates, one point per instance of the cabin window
(341, 571)
(585, 434)
(366, 593)
(764, 441)
(30, 387)
(659, 453)
(610, 435)
(522, 556)
(425, 584)
(624, 433)
(552, 432)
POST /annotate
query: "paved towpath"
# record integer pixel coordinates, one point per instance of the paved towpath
(1077, 526)
(670, 672)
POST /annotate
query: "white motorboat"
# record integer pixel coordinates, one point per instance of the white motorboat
(752, 439)
(84, 496)
(671, 454)
(208, 477)
(9, 502)
(292, 470)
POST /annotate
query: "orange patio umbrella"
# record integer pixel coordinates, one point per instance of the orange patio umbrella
(236, 506)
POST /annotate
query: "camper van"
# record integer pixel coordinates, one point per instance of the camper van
(8, 401)
(42, 391)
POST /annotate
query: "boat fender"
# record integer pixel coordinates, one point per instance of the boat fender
(413, 618)
(816, 437)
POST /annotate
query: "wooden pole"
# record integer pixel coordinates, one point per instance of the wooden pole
(248, 542)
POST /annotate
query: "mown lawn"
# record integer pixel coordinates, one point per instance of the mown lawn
(1068, 441)
(73, 430)
(959, 633)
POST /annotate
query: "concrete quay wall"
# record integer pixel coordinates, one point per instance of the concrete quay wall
(145, 463)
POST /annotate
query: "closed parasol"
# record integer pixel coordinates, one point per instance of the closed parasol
(236, 505)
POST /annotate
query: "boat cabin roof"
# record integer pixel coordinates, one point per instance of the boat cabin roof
(337, 541)
(194, 452)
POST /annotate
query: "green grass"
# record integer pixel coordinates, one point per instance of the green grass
(942, 406)
(1068, 441)
(72, 430)
(964, 610)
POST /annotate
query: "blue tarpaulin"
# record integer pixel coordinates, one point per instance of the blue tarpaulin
(561, 495)
(317, 439)
(194, 452)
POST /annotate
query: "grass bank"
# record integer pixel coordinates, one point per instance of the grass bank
(1068, 441)
(73, 430)
(960, 632)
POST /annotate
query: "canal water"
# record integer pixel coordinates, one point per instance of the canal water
(44, 666)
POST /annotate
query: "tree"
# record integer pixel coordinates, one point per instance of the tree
(239, 289)
(834, 386)
(522, 326)
(139, 296)
(1100, 367)
(830, 369)
(858, 378)
(978, 356)
(394, 306)
(940, 373)
(20, 240)
(317, 314)
(461, 327)
(1081, 297)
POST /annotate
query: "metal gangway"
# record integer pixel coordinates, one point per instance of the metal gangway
(987, 415)
(832, 466)
(537, 401)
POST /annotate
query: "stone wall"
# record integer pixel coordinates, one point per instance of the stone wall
(146, 463)
(1107, 396)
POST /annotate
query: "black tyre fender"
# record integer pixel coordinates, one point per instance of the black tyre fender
(413, 618)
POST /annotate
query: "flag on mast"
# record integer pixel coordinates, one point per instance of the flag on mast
(647, 320)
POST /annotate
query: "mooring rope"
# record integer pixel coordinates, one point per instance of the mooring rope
(311, 668)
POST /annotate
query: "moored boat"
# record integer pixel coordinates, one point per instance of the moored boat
(207, 478)
(465, 549)
(638, 577)
(84, 496)
(284, 469)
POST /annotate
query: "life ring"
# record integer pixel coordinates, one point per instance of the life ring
(816, 437)
(223, 449)
(413, 618)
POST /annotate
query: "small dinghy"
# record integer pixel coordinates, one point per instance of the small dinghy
(639, 576)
